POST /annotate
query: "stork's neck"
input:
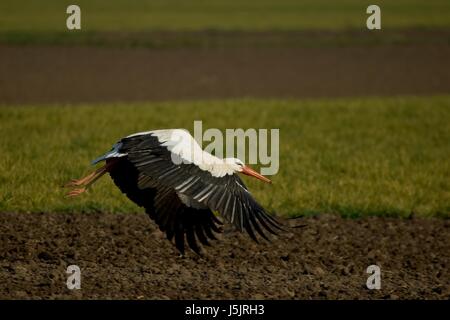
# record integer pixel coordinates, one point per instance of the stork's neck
(216, 166)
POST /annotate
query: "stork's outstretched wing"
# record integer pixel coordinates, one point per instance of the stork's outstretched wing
(165, 207)
(226, 194)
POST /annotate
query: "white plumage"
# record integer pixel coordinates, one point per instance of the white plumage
(185, 149)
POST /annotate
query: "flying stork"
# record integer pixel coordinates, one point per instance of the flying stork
(181, 186)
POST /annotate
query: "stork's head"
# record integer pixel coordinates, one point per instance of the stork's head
(238, 166)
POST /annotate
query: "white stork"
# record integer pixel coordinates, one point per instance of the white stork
(181, 186)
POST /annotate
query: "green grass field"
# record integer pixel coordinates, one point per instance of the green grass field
(140, 22)
(142, 15)
(374, 156)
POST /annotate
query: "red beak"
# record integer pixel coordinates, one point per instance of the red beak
(250, 172)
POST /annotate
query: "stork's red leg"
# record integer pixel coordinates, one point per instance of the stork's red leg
(76, 192)
(88, 180)
(84, 180)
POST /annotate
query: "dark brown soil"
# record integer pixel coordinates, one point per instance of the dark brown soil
(125, 256)
(36, 74)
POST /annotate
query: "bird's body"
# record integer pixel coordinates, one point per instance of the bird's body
(181, 186)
